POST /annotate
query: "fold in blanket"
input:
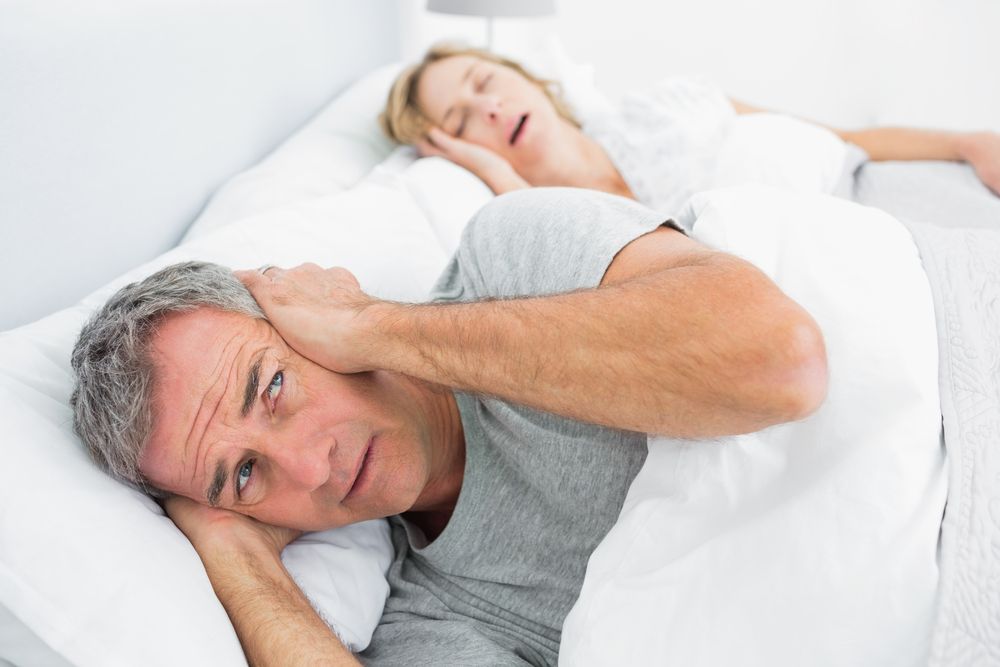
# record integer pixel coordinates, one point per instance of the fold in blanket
(963, 266)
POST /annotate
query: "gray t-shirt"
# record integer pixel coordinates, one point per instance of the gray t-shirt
(539, 492)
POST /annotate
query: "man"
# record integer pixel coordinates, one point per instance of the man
(499, 426)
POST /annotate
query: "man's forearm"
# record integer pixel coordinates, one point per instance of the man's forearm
(703, 350)
(273, 619)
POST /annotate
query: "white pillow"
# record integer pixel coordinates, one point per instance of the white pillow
(813, 542)
(448, 195)
(94, 568)
(330, 153)
(782, 151)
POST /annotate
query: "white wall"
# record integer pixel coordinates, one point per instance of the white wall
(849, 62)
(119, 118)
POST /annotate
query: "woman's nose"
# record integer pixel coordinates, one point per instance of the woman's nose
(490, 108)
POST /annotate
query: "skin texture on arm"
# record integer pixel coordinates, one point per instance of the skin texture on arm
(980, 149)
(275, 623)
(677, 340)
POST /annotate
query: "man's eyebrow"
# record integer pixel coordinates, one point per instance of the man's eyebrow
(218, 483)
(465, 77)
(250, 391)
(249, 398)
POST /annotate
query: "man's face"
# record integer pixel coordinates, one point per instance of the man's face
(241, 421)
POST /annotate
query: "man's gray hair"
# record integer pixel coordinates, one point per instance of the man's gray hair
(112, 400)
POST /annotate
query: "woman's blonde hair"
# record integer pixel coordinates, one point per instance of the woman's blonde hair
(404, 121)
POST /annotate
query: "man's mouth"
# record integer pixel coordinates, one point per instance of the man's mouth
(517, 129)
(360, 477)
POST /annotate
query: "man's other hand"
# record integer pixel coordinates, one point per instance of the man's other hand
(213, 529)
(242, 556)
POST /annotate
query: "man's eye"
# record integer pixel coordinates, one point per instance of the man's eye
(274, 388)
(243, 476)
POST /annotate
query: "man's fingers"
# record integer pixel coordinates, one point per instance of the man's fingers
(343, 274)
(249, 277)
(268, 268)
(264, 271)
(302, 285)
(170, 503)
(180, 508)
(260, 285)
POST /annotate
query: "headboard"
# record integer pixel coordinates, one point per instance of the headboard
(121, 117)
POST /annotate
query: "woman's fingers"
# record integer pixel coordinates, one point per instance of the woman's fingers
(427, 149)
(455, 149)
(984, 157)
(491, 167)
(440, 138)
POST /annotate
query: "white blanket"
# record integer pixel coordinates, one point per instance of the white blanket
(964, 268)
(807, 543)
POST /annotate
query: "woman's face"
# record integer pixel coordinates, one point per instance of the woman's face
(490, 105)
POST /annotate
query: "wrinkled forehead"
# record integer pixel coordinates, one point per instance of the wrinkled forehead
(198, 358)
(193, 345)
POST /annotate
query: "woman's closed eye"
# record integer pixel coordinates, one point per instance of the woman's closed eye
(481, 85)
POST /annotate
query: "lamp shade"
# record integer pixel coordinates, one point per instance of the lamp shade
(493, 7)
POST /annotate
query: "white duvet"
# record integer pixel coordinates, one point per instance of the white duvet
(807, 543)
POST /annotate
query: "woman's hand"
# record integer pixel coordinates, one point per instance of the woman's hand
(490, 167)
(215, 532)
(317, 311)
(982, 151)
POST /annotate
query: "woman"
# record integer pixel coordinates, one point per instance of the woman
(491, 116)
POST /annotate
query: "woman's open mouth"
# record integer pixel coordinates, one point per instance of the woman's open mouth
(518, 129)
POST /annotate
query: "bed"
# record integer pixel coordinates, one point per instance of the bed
(93, 573)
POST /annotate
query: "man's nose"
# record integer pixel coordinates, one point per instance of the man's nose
(307, 466)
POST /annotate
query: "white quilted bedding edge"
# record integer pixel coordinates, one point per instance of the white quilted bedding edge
(964, 271)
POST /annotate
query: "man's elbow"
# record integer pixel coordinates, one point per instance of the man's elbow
(800, 376)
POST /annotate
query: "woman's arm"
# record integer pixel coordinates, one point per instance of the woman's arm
(980, 149)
